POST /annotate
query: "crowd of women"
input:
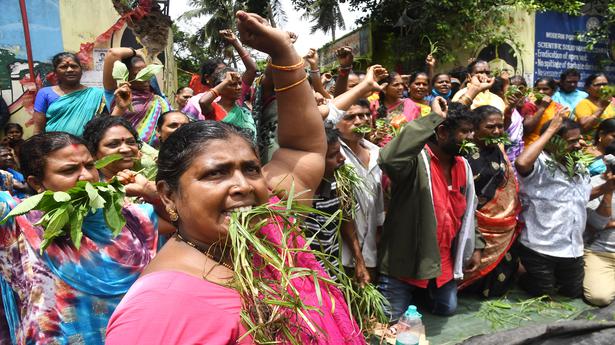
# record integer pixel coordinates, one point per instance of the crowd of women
(450, 168)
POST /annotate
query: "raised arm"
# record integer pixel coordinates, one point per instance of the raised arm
(312, 60)
(369, 84)
(525, 161)
(530, 122)
(250, 73)
(113, 55)
(588, 121)
(206, 100)
(345, 59)
(430, 62)
(396, 157)
(299, 161)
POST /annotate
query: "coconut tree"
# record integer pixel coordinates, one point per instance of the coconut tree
(325, 15)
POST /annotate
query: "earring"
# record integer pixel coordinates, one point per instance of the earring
(172, 214)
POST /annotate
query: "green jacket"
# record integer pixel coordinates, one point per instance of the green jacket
(409, 247)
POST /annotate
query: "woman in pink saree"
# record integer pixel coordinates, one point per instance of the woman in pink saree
(209, 170)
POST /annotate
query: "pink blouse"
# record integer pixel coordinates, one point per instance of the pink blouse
(169, 307)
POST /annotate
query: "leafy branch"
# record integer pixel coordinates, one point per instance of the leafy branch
(64, 212)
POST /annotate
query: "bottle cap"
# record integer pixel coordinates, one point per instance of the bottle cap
(412, 312)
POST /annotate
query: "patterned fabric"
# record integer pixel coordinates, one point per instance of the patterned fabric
(515, 133)
(546, 116)
(147, 108)
(325, 200)
(6, 182)
(67, 295)
(404, 106)
(71, 112)
(499, 206)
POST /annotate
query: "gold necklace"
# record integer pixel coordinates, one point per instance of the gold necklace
(202, 250)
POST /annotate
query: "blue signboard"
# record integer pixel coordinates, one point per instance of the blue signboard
(557, 47)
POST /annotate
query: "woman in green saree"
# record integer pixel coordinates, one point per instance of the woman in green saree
(68, 106)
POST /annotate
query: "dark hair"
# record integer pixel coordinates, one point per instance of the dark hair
(162, 116)
(415, 75)
(181, 89)
(438, 75)
(571, 72)
(567, 125)
(57, 59)
(550, 82)
(332, 133)
(12, 125)
(129, 62)
(180, 149)
(610, 150)
(606, 126)
(479, 114)
(498, 86)
(471, 65)
(34, 151)
(518, 79)
(97, 127)
(457, 113)
(362, 102)
(382, 109)
(590, 79)
(219, 76)
(209, 67)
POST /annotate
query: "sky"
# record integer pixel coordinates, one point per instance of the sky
(294, 23)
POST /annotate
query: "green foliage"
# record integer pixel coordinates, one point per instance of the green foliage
(363, 129)
(502, 313)
(607, 92)
(348, 181)
(574, 163)
(468, 148)
(189, 52)
(106, 160)
(120, 72)
(271, 308)
(325, 15)
(501, 140)
(64, 211)
(460, 24)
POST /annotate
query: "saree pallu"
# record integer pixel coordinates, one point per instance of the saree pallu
(147, 108)
(70, 113)
(497, 222)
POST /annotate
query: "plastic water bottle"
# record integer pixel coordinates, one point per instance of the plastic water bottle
(409, 327)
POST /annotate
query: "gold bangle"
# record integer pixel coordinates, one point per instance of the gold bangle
(296, 66)
(291, 85)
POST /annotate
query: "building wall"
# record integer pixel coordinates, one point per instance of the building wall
(55, 26)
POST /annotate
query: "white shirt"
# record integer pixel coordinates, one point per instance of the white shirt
(553, 211)
(370, 214)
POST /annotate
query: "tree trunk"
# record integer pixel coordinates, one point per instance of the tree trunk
(270, 14)
(333, 33)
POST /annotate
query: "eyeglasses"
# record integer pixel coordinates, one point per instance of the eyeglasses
(600, 84)
(350, 117)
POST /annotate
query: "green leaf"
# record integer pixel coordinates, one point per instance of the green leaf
(24, 206)
(61, 196)
(106, 160)
(120, 71)
(148, 72)
(76, 223)
(96, 201)
(113, 215)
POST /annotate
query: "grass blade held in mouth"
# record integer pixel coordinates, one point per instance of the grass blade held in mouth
(273, 310)
(363, 129)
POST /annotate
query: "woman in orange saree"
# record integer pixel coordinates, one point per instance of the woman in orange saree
(498, 205)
